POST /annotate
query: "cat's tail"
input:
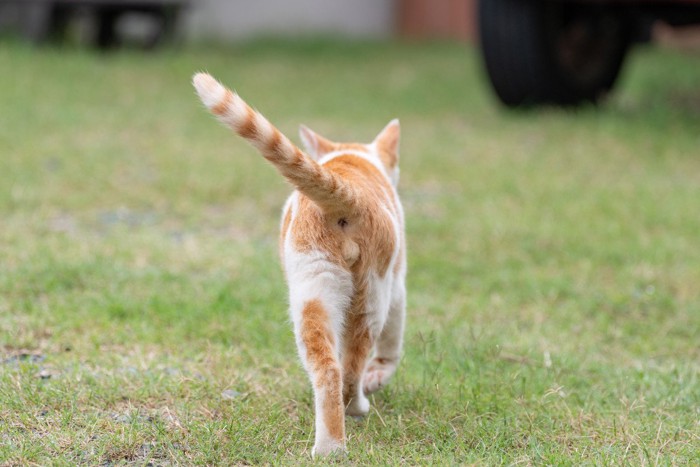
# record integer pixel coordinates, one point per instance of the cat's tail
(325, 188)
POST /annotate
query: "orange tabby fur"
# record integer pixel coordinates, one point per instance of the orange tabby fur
(342, 247)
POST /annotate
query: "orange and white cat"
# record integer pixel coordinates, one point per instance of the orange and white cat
(343, 251)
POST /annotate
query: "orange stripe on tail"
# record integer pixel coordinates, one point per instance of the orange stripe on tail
(325, 188)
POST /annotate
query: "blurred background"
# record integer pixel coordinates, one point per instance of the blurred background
(240, 20)
(560, 52)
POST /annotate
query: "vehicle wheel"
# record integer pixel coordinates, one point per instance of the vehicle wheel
(540, 51)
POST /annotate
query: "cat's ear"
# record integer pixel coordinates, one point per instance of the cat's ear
(316, 145)
(387, 142)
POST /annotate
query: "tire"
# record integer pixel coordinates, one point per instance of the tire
(551, 52)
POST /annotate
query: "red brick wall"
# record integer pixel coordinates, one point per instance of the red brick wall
(437, 19)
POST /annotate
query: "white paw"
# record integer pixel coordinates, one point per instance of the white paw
(358, 407)
(327, 448)
(376, 376)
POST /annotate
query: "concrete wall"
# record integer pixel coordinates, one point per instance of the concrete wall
(244, 19)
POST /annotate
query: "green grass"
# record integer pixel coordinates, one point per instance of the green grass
(554, 283)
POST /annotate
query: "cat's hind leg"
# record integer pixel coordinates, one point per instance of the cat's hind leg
(388, 351)
(318, 349)
(319, 295)
(357, 342)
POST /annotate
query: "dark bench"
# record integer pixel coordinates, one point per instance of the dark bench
(44, 20)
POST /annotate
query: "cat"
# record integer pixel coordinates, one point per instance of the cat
(342, 247)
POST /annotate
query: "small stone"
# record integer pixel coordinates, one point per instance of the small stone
(121, 418)
(230, 394)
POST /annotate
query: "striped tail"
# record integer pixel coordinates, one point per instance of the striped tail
(326, 189)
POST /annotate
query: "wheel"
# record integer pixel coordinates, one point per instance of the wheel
(551, 52)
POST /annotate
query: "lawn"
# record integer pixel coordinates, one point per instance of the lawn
(554, 261)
